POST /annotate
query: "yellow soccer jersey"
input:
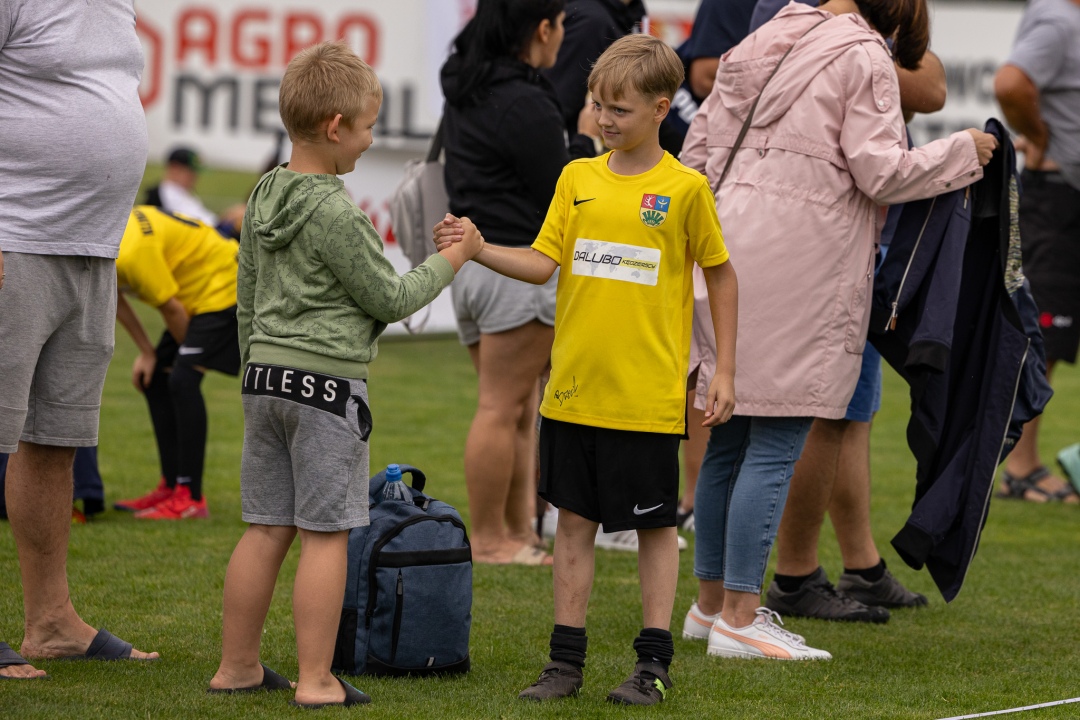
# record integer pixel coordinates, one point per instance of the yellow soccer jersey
(626, 246)
(164, 255)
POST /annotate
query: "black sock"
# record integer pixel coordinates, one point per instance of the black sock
(870, 574)
(190, 410)
(568, 645)
(654, 645)
(790, 583)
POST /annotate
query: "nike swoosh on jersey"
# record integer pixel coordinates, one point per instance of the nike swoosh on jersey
(578, 202)
(185, 350)
(639, 511)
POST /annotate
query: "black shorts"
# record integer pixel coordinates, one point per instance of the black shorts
(1050, 240)
(212, 342)
(626, 480)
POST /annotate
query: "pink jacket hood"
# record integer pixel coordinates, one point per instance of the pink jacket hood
(817, 44)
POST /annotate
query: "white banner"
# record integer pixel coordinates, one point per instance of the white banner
(213, 70)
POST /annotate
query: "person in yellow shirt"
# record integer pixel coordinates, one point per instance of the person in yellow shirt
(186, 270)
(625, 229)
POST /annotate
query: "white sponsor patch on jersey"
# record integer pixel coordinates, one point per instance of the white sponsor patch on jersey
(614, 261)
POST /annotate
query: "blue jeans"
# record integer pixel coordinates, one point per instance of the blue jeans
(740, 496)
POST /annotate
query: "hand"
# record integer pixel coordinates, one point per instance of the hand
(985, 145)
(1033, 155)
(471, 241)
(720, 402)
(446, 232)
(142, 370)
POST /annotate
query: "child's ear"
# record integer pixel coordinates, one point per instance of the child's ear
(663, 105)
(333, 129)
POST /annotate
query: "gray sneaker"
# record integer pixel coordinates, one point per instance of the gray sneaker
(817, 598)
(885, 593)
(647, 685)
(557, 680)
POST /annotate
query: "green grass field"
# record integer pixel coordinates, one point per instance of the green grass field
(1008, 640)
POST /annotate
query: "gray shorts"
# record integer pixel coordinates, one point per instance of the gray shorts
(486, 302)
(57, 324)
(305, 459)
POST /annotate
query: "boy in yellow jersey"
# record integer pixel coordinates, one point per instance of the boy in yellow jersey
(626, 228)
(187, 271)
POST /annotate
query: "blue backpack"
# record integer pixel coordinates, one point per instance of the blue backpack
(408, 596)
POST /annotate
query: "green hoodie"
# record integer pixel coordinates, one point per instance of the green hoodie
(314, 290)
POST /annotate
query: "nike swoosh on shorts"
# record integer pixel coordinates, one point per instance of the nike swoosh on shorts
(639, 511)
(184, 350)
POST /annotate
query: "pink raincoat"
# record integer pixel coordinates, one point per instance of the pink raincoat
(800, 207)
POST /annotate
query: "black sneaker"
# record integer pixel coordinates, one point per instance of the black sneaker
(817, 598)
(557, 680)
(885, 593)
(647, 685)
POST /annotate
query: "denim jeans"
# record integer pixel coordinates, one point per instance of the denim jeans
(741, 490)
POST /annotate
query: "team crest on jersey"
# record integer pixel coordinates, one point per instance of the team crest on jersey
(654, 209)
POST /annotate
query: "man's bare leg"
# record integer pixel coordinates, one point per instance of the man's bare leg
(39, 486)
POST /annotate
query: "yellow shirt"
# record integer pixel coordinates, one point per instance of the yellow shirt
(164, 255)
(624, 304)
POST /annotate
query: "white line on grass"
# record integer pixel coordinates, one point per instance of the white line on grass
(1016, 710)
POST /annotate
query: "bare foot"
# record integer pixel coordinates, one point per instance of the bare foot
(237, 678)
(63, 645)
(525, 554)
(21, 672)
(326, 691)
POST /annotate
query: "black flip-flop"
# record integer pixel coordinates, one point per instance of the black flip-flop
(352, 697)
(106, 646)
(10, 658)
(270, 681)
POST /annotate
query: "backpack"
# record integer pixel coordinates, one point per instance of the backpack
(408, 595)
(418, 202)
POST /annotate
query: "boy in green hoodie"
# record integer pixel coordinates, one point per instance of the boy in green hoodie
(314, 292)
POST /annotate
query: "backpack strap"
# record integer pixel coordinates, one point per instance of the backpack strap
(750, 114)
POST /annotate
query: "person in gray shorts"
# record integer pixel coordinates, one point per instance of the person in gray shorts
(66, 128)
(314, 292)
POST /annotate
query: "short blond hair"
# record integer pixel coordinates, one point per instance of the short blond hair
(322, 81)
(642, 62)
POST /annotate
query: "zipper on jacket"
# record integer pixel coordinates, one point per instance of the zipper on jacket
(1004, 437)
(911, 259)
(398, 609)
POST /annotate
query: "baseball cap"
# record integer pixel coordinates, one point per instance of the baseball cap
(186, 157)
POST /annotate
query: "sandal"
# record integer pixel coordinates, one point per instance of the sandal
(1016, 488)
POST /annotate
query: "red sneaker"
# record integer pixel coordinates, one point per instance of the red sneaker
(149, 500)
(178, 507)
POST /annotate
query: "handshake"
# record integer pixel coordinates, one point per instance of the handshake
(457, 239)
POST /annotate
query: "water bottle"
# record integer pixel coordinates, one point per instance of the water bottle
(395, 489)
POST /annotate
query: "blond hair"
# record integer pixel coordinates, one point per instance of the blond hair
(642, 62)
(322, 81)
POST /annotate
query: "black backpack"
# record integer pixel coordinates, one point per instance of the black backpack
(408, 596)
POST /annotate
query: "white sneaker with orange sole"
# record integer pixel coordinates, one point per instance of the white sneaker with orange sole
(763, 638)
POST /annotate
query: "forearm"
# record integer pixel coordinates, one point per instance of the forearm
(126, 316)
(723, 288)
(1019, 100)
(520, 263)
(176, 319)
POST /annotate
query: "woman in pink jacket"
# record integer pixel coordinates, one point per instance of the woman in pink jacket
(801, 212)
